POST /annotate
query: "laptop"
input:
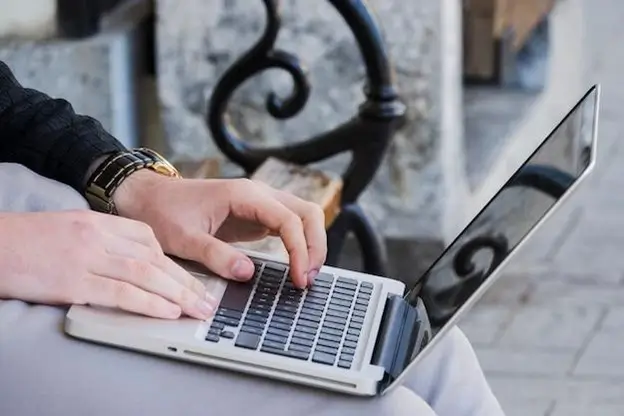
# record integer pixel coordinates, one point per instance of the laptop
(352, 332)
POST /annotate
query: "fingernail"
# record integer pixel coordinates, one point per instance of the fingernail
(205, 308)
(311, 275)
(243, 269)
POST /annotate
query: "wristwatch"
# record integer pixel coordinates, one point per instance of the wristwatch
(115, 169)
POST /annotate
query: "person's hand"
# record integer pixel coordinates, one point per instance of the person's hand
(196, 219)
(84, 257)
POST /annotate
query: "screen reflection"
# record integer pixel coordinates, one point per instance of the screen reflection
(506, 220)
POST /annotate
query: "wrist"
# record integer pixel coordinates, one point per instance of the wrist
(135, 192)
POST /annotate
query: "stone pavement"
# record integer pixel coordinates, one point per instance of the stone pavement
(549, 333)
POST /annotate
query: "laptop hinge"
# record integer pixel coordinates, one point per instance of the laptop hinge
(404, 332)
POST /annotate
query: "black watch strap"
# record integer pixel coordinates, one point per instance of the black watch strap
(115, 169)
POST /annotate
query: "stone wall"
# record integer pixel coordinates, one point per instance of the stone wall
(199, 40)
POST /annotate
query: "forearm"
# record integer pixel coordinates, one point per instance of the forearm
(47, 136)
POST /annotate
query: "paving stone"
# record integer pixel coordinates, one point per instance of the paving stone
(551, 327)
(532, 408)
(588, 409)
(614, 320)
(508, 361)
(603, 356)
(563, 389)
(482, 325)
(560, 294)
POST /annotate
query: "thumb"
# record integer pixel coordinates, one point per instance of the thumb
(221, 258)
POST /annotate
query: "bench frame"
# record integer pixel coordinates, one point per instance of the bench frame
(366, 135)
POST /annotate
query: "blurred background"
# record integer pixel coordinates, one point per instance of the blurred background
(483, 82)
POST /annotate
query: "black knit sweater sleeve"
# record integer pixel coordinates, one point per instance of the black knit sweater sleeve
(46, 135)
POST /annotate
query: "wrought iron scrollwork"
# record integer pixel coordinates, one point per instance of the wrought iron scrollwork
(467, 276)
(547, 179)
(366, 135)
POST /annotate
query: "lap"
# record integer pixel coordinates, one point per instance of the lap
(43, 369)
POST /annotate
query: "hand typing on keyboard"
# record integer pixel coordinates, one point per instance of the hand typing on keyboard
(196, 219)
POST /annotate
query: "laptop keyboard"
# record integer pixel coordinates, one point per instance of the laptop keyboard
(321, 323)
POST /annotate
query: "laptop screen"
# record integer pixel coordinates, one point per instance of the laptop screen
(510, 215)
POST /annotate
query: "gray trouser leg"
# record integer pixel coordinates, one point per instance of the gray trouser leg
(44, 372)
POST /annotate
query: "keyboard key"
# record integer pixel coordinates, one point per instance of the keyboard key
(367, 286)
(332, 325)
(304, 335)
(313, 306)
(353, 331)
(357, 319)
(359, 307)
(338, 302)
(253, 323)
(227, 334)
(346, 357)
(330, 337)
(276, 338)
(256, 312)
(355, 325)
(228, 313)
(323, 358)
(328, 343)
(331, 331)
(345, 290)
(278, 332)
(280, 325)
(327, 350)
(310, 318)
(214, 331)
(363, 296)
(247, 340)
(305, 311)
(260, 319)
(308, 324)
(334, 319)
(301, 341)
(301, 348)
(337, 314)
(315, 301)
(282, 320)
(340, 296)
(360, 314)
(286, 308)
(274, 344)
(217, 325)
(212, 338)
(349, 351)
(324, 277)
(226, 321)
(252, 330)
(322, 284)
(305, 329)
(344, 364)
(351, 338)
(284, 314)
(350, 344)
(361, 302)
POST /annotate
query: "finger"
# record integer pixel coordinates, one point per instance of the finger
(250, 203)
(218, 256)
(313, 219)
(126, 248)
(111, 293)
(147, 276)
(130, 229)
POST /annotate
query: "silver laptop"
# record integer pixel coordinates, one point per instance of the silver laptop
(352, 332)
